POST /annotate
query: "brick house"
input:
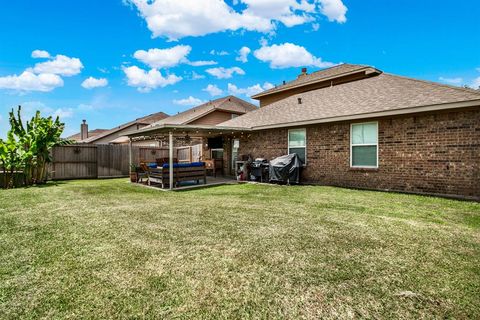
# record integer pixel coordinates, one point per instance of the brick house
(356, 126)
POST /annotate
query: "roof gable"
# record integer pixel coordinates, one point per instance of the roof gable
(230, 104)
(329, 74)
(144, 120)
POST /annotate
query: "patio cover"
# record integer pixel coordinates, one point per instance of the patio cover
(172, 130)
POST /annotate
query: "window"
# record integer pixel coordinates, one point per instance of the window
(297, 143)
(217, 153)
(235, 147)
(364, 145)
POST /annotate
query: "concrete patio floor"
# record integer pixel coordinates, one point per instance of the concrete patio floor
(189, 185)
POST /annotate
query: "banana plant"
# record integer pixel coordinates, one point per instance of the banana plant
(28, 147)
(3, 160)
(26, 144)
(11, 157)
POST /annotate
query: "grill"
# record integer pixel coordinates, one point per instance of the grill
(259, 170)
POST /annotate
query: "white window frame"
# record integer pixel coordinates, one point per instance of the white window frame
(232, 159)
(297, 147)
(362, 145)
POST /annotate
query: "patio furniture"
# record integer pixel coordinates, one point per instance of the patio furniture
(149, 173)
(214, 165)
(195, 171)
(141, 173)
(162, 161)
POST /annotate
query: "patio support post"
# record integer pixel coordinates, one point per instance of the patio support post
(129, 155)
(170, 159)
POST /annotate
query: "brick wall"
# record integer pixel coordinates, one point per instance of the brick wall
(435, 153)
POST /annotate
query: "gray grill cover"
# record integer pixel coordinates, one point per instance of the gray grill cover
(285, 169)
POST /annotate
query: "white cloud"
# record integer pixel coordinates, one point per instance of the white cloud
(170, 57)
(243, 54)
(44, 76)
(85, 107)
(29, 108)
(92, 82)
(63, 113)
(475, 83)
(288, 55)
(175, 19)
(61, 65)
(219, 53)
(28, 81)
(40, 54)
(163, 58)
(263, 42)
(202, 63)
(334, 10)
(455, 81)
(146, 81)
(196, 76)
(249, 91)
(213, 90)
(224, 73)
(190, 101)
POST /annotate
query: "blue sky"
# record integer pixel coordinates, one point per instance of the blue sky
(199, 44)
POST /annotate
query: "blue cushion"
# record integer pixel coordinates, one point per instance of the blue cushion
(185, 165)
(152, 165)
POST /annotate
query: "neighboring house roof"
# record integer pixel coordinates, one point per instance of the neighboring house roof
(91, 133)
(147, 120)
(228, 104)
(120, 140)
(340, 70)
(384, 94)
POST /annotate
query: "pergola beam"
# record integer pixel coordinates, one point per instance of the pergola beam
(130, 160)
(170, 159)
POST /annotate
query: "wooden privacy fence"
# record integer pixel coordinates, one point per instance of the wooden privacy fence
(85, 161)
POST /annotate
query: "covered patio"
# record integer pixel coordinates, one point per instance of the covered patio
(218, 153)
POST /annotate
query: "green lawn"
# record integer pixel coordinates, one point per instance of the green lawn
(109, 249)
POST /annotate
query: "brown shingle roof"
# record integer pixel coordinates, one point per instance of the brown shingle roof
(319, 76)
(144, 120)
(91, 133)
(381, 93)
(229, 104)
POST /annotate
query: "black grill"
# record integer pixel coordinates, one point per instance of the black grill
(259, 170)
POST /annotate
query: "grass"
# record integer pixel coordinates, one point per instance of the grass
(107, 249)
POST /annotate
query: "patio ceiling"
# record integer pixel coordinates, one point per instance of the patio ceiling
(178, 130)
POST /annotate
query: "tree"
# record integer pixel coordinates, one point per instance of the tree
(28, 147)
(11, 159)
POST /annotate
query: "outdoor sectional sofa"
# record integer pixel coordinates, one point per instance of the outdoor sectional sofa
(194, 171)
